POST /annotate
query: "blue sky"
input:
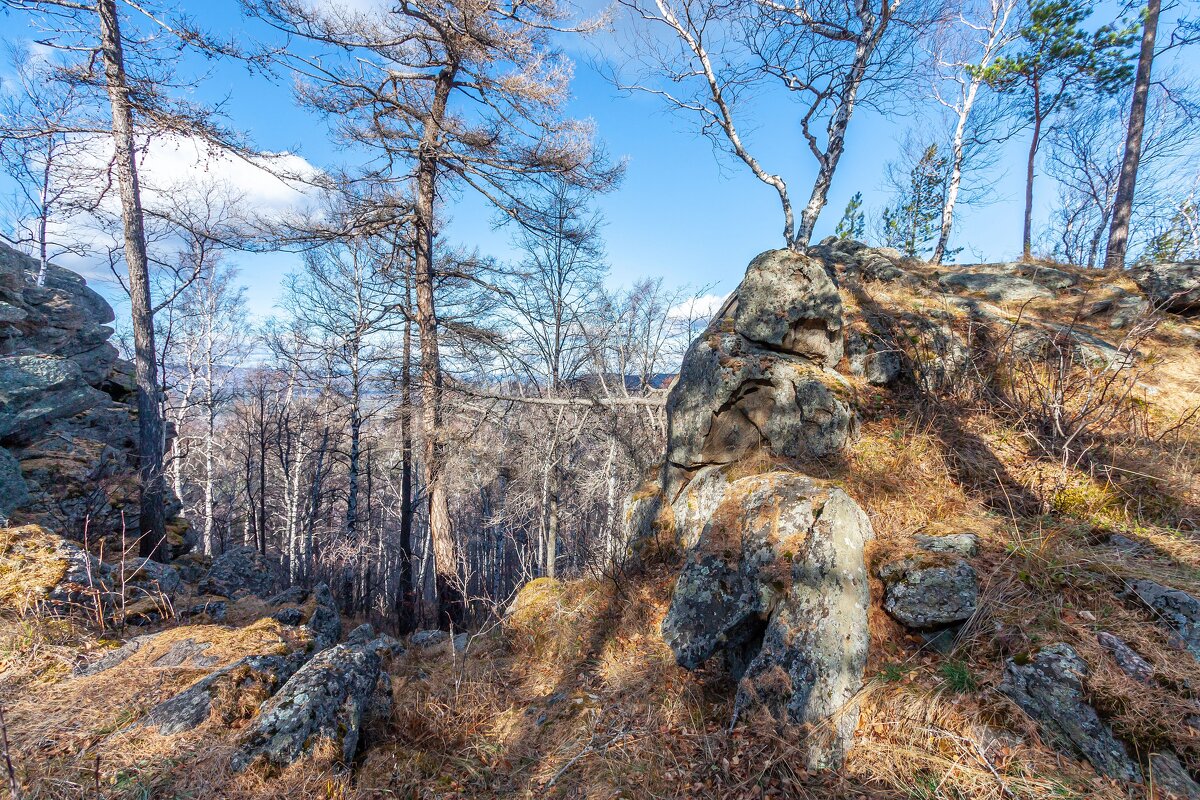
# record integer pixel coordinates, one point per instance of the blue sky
(679, 214)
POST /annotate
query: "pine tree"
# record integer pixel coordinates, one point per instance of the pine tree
(915, 220)
(1058, 61)
(854, 222)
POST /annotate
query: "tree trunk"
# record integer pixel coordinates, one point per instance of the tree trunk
(1035, 140)
(444, 556)
(405, 594)
(828, 161)
(1118, 237)
(152, 523)
(957, 154)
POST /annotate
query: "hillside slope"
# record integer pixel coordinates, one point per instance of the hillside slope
(1022, 439)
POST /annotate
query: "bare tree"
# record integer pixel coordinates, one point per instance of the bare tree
(963, 52)
(830, 56)
(41, 149)
(446, 94)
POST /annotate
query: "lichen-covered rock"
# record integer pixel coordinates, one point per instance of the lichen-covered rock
(963, 544)
(1126, 657)
(757, 378)
(694, 506)
(1170, 778)
(1172, 287)
(872, 360)
(322, 618)
(249, 676)
(320, 706)
(242, 570)
(788, 302)
(924, 593)
(1172, 608)
(776, 583)
(36, 390)
(1049, 687)
(996, 284)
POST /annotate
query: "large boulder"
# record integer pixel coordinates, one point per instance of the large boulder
(1172, 287)
(1049, 687)
(319, 708)
(777, 585)
(758, 378)
(240, 571)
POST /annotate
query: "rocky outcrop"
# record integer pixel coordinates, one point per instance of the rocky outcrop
(776, 584)
(240, 571)
(63, 415)
(320, 708)
(1049, 687)
(758, 378)
(773, 579)
(1172, 287)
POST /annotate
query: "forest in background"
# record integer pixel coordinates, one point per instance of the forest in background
(426, 427)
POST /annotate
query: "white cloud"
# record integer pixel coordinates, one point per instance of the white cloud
(702, 307)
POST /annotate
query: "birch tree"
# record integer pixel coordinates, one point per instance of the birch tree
(710, 60)
(964, 50)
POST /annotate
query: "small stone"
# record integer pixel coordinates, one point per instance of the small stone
(1127, 659)
(925, 595)
(963, 544)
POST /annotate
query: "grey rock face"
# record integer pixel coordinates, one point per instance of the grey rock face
(776, 583)
(361, 635)
(14, 492)
(36, 390)
(322, 704)
(997, 286)
(193, 706)
(1050, 689)
(152, 576)
(86, 581)
(1171, 778)
(1172, 608)
(756, 378)
(242, 570)
(1126, 657)
(1049, 277)
(324, 621)
(788, 302)
(872, 360)
(1172, 287)
(925, 594)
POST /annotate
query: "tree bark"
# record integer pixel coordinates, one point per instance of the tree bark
(1027, 233)
(152, 522)
(444, 553)
(1118, 236)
